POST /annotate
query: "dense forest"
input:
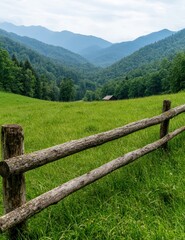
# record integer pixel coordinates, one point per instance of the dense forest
(155, 69)
(166, 76)
(150, 54)
(50, 72)
(21, 78)
(72, 61)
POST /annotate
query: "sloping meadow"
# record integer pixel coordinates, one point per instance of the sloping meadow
(144, 200)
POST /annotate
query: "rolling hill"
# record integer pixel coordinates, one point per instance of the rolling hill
(143, 200)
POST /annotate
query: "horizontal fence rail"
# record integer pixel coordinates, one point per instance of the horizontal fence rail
(36, 159)
(57, 194)
(13, 167)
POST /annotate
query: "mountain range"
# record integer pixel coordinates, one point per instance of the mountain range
(59, 54)
(57, 62)
(143, 64)
(66, 39)
(43, 65)
(145, 57)
(107, 56)
(96, 50)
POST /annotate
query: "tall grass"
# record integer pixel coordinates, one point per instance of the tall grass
(144, 200)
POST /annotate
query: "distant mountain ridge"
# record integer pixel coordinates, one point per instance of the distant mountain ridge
(71, 41)
(53, 63)
(108, 56)
(65, 57)
(43, 65)
(150, 54)
(159, 49)
(96, 50)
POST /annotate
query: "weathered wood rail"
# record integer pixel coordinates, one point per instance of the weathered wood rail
(12, 167)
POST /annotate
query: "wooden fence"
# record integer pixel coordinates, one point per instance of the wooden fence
(15, 164)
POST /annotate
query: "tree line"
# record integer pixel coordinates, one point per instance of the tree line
(166, 76)
(20, 77)
(161, 77)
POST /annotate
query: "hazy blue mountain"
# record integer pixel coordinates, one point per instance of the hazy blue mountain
(150, 54)
(71, 41)
(96, 50)
(43, 65)
(67, 58)
(108, 56)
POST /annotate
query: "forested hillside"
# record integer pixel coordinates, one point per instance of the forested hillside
(50, 71)
(20, 77)
(96, 50)
(43, 65)
(115, 52)
(155, 69)
(166, 48)
(165, 76)
(67, 58)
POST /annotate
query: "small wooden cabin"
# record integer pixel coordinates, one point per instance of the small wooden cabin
(109, 98)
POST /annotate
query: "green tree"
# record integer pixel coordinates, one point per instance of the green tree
(108, 89)
(177, 73)
(37, 92)
(29, 83)
(15, 60)
(122, 89)
(6, 71)
(153, 84)
(136, 88)
(89, 96)
(67, 90)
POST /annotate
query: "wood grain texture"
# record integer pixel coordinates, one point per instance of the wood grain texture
(57, 194)
(164, 127)
(14, 193)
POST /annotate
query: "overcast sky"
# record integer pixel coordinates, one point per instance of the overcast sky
(113, 20)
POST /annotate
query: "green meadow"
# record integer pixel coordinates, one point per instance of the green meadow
(144, 200)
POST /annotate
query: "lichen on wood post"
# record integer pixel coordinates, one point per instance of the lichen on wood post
(14, 194)
(164, 127)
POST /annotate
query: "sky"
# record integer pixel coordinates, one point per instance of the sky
(112, 20)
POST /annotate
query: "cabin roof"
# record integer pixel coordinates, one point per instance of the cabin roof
(109, 97)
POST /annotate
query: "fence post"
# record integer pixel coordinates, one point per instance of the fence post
(164, 127)
(14, 194)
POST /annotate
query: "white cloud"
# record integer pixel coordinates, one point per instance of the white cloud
(114, 20)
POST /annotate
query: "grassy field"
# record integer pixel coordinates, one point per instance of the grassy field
(144, 200)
